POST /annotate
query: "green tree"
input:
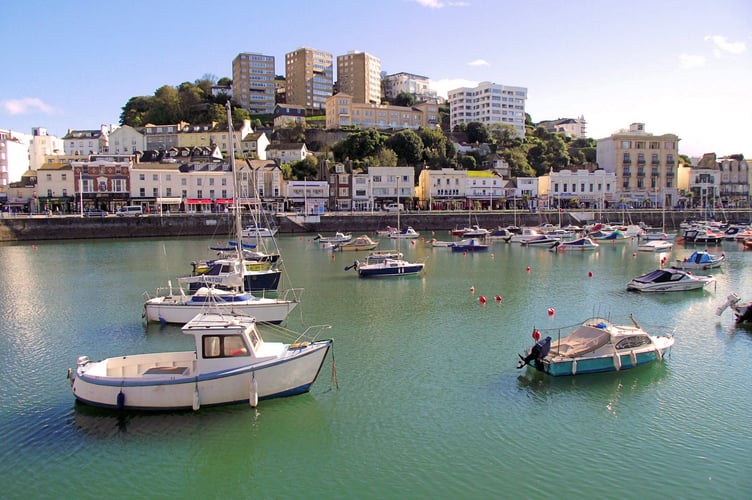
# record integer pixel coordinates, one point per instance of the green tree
(404, 99)
(504, 135)
(307, 168)
(478, 132)
(408, 145)
(359, 145)
(136, 111)
(384, 158)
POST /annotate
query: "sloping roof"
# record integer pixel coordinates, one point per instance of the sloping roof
(297, 146)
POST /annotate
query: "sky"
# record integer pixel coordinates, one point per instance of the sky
(678, 66)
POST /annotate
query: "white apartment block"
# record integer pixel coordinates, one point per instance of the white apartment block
(359, 75)
(253, 82)
(581, 187)
(42, 145)
(488, 103)
(14, 157)
(126, 140)
(87, 142)
(444, 184)
(416, 85)
(309, 75)
(389, 183)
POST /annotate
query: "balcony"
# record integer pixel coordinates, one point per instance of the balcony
(640, 172)
(669, 173)
(656, 172)
(626, 173)
(626, 162)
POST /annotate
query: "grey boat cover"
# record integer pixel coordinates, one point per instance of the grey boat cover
(583, 340)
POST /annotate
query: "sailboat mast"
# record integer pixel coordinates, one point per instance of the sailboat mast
(236, 199)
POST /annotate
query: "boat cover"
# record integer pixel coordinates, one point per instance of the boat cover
(584, 339)
(700, 258)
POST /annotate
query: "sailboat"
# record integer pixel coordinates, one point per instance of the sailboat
(387, 264)
(222, 291)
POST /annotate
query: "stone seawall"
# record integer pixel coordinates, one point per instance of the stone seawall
(24, 228)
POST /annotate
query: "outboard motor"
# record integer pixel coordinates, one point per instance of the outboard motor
(731, 300)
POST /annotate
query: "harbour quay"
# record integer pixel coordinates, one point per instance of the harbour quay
(60, 227)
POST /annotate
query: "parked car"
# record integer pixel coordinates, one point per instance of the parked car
(94, 212)
(393, 207)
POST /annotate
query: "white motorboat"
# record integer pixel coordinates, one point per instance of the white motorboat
(359, 243)
(475, 231)
(540, 240)
(580, 244)
(669, 280)
(170, 307)
(699, 260)
(256, 231)
(407, 233)
(596, 345)
(525, 234)
(742, 310)
(655, 246)
(337, 238)
(231, 364)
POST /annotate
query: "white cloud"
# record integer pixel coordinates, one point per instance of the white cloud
(688, 61)
(438, 4)
(722, 44)
(25, 106)
(478, 62)
(442, 87)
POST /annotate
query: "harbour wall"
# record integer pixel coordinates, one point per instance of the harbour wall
(40, 227)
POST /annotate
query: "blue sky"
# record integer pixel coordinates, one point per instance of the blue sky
(679, 66)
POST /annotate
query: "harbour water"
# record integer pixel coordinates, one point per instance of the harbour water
(429, 405)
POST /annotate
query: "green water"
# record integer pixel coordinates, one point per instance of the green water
(429, 405)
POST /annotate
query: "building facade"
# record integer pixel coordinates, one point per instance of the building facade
(86, 142)
(734, 188)
(645, 165)
(309, 78)
(359, 75)
(42, 145)
(126, 140)
(416, 85)
(14, 157)
(488, 103)
(253, 82)
(572, 127)
(576, 189)
(342, 111)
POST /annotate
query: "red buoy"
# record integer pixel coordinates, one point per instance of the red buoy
(498, 298)
(482, 300)
(527, 269)
(590, 274)
(536, 334)
(551, 311)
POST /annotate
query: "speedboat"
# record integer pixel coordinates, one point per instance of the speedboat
(231, 364)
(615, 236)
(337, 238)
(384, 265)
(659, 235)
(170, 307)
(500, 233)
(580, 244)
(475, 232)
(597, 345)
(699, 260)
(702, 236)
(441, 243)
(668, 280)
(407, 233)
(655, 246)
(525, 234)
(257, 231)
(469, 245)
(742, 310)
(540, 240)
(363, 242)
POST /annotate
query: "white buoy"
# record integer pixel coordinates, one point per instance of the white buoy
(254, 392)
(196, 400)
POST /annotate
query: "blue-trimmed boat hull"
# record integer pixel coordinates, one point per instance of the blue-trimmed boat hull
(596, 365)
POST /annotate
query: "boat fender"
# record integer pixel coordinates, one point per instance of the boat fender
(254, 392)
(120, 400)
(633, 357)
(658, 354)
(574, 367)
(196, 400)
(617, 361)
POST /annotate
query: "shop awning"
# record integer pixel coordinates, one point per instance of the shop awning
(198, 201)
(169, 201)
(224, 201)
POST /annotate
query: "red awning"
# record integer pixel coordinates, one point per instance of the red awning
(198, 201)
(224, 201)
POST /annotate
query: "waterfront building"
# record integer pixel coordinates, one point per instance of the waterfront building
(262, 180)
(388, 183)
(416, 85)
(14, 157)
(308, 197)
(208, 135)
(645, 165)
(734, 188)
(309, 78)
(488, 103)
(341, 190)
(359, 75)
(484, 190)
(126, 140)
(87, 142)
(362, 192)
(253, 84)
(41, 145)
(101, 182)
(342, 111)
(56, 185)
(572, 127)
(703, 188)
(162, 137)
(576, 189)
(442, 189)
